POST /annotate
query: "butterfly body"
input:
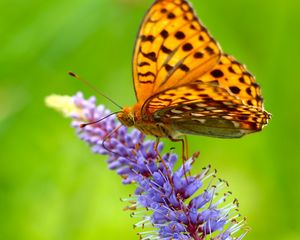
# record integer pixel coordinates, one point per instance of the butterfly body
(185, 84)
(168, 128)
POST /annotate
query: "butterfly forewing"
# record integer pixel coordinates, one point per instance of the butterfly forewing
(234, 77)
(228, 74)
(172, 49)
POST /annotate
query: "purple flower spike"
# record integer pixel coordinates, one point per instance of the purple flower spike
(171, 203)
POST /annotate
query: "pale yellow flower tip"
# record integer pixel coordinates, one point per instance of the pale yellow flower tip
(63, 104)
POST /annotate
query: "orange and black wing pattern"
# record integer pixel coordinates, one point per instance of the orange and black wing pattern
(226, 98)
(172, 49)
(183, 80)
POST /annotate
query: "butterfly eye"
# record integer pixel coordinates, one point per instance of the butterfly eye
(126, 118)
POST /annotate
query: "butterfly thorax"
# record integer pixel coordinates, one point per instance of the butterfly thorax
(132, 117)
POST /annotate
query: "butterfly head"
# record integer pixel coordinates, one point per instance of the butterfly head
(126, 117)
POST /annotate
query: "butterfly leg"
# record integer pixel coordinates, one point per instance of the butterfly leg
(183, 144)
(185, 147)
(161, 159)
(184, 151)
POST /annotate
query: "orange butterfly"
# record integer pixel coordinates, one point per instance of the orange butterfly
(185, 84)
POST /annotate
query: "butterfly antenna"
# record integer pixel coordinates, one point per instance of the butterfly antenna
(90, 123)
(72, 74)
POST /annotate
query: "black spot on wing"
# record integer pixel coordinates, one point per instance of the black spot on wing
(230, 69)
(168, 67)
(165, 49)
(179, 35)
(187, 47)
(147, 74)
(149, 38)
(234, 89)
(164, 34)
(171, 15)
(163, 10)
(259, 98)
(198, 55)
(142, 64)
(151, 56)
(184, 67)
(242, 80)
(217, 73)
(209, 50)
(193, 27)
(248, 90)
(201, 38)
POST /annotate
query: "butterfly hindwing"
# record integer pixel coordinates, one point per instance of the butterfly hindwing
(218, 115)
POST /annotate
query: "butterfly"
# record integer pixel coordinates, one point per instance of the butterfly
(185, 84)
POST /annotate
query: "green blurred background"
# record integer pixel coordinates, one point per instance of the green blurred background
(53, 187)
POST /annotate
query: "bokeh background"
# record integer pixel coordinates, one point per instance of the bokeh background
(53, 187)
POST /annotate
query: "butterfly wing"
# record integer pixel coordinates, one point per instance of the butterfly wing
(172, 49)
(225, 102)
